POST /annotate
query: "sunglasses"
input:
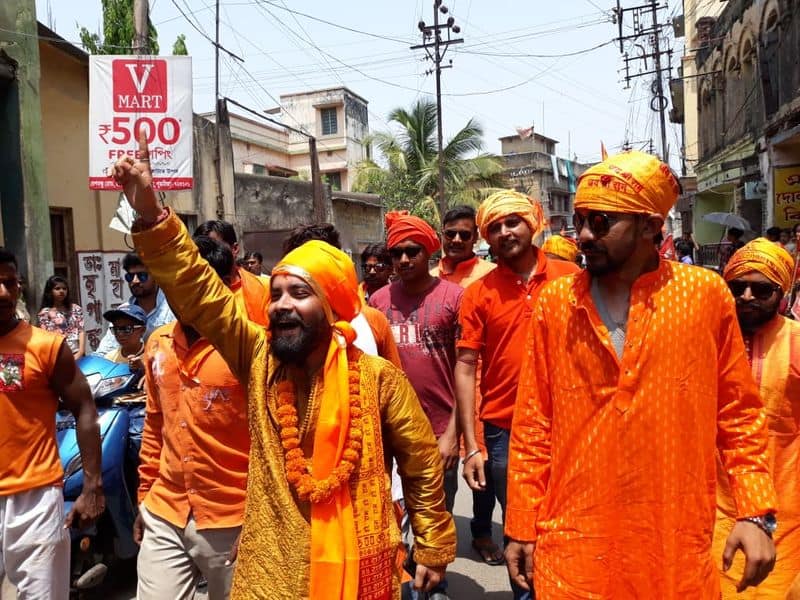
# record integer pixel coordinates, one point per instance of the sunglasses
(143, 277)
(760, 290)
(599, 223)
(126, 329)
(464, 234)
(411, 252)
(366, 267)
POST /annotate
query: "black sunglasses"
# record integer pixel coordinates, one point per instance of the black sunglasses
(760, 290)
(464, 234)
(126, 329)
(366, 267)
(129, 277)
(411, 252)
(599, 222)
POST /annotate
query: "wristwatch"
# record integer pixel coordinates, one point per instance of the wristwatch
(768, 523)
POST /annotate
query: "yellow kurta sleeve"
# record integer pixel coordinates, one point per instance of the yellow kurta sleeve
(410, 440)
(196, 294)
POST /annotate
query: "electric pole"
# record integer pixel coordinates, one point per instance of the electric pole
(435, 49)
(658, 103)
(141, 36)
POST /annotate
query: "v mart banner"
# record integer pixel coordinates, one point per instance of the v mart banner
(132, 93)
(787, 196)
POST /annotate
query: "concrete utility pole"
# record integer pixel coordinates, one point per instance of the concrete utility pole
(141, 36)
(659, 102)
(432, 39)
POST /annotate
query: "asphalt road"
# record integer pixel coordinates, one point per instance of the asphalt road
(468, 577)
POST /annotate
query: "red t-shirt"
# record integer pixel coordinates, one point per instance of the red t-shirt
(494, 321)
(425, 328)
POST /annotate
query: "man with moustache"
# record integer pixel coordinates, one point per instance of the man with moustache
(494, 319)
(460, 265)
(193, 461)
(146, 294)
(325, 420)
(758, 275)
(376, 268)
(618, 421)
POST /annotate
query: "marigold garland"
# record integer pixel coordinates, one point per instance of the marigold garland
(298, 467)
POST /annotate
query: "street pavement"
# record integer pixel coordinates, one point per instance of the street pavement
(468, 577)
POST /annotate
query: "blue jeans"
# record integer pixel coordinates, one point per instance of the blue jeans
(497, 440)
(482, 507)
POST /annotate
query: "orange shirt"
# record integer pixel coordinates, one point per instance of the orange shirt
(612, 462)
(384, 340)
(195, 441)
(494, 318)
(775, 357)
(465, 272)
(253, 294)
(28, 452)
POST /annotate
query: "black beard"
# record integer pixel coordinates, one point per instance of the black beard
(295, 349)
(753, 321)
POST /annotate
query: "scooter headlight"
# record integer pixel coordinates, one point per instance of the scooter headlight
(109, 385)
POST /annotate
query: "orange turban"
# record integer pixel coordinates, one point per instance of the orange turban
(631, 182)
(564, 247)
(334, 545)
(508, 202)
(768, 258)
(401, 226)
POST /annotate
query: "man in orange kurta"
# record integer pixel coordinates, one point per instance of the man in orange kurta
(758, 275)
(612, 466)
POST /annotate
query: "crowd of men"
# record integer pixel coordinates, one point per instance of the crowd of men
(636, 420)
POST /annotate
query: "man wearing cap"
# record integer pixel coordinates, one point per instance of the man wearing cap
(612, 466)
(325, 421)
(145, 294)
(494, 318)
(759, 275)
(128, 322)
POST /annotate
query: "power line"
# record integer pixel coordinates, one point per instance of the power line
(520, 55)
(205, 35)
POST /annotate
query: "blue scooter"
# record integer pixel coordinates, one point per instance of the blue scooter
(121, 408)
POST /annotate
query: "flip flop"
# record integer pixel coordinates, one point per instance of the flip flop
(489, 551)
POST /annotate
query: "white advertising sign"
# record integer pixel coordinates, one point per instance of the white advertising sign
(132, 93)
(102, 287)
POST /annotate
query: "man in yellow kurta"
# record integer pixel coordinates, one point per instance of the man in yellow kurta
(617, 423)
(758, 275)
(325, 420)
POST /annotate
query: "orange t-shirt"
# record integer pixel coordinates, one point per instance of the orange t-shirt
(494, 319)
(253, 294)
(612, 461)
(466, 272)
(195, 442)
(28, 451)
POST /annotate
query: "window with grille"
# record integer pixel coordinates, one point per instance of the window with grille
(328, 117)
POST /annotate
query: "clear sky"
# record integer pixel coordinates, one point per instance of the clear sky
(508, 73)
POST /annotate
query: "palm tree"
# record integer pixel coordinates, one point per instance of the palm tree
(409, 179)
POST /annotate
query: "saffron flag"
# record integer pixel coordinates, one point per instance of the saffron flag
(525, 133)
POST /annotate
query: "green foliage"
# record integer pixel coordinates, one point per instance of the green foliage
(118, 31)
(409, 179)
(179, 47)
